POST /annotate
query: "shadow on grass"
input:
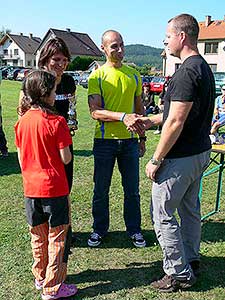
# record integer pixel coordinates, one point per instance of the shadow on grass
(9, 165)
(115, 239)
(85, 153)
(213, 231)
(103, 282)
(212, 274)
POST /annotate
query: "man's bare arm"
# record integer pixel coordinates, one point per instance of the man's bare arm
(101, 114)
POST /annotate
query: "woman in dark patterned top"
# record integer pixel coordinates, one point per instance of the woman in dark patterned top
(55, 58)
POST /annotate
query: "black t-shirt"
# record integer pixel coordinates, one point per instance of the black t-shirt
(64, 88)
(192, 82)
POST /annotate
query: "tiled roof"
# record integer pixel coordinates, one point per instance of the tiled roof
(215, 30)
(26, 43)
(78, 43)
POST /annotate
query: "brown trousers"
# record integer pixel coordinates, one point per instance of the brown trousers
(49, 229)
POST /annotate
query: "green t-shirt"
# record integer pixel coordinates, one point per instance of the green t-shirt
(118, 88)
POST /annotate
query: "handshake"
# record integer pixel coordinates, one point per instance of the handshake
(137, 123)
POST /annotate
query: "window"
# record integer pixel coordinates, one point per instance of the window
(5, 51)
(34, 63)
(29, 63)
(213, 67)
(211, 48)
(16, 51)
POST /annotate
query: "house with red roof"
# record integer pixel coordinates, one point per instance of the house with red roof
(211, 45)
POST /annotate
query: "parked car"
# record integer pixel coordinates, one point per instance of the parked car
(7, 69)
(84, 79)
(75, 75)
(13, 74)
(157, 84)
(22, 74)
(219, 80)
(146, 80)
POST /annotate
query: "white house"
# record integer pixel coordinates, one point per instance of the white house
(211, 45)
(18, 50)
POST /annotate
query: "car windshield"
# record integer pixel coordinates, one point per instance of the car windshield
(158, 79)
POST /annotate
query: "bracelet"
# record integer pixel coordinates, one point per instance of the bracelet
(122, 117)
(143, 138)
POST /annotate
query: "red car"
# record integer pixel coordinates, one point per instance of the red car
(157, 84)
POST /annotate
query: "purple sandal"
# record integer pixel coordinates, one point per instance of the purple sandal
(65, 290)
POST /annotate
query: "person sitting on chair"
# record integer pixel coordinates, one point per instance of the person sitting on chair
(219, 112)
(148, 101)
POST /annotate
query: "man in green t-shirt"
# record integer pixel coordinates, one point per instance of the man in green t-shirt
(3, 142)
(114, 95)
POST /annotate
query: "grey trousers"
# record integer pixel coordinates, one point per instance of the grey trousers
(176, 190)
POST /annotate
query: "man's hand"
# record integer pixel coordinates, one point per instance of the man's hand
(133, 123)
(140, 123)
(151, 170)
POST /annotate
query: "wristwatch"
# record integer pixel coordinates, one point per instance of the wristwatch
(156, 162)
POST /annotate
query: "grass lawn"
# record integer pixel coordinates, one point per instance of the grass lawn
(116, 270)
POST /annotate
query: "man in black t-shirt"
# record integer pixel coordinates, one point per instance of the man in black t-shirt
(181, 156)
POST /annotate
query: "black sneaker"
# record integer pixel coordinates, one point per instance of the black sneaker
(138, 240)
(169, 284)
(195, 265)
(94, 240)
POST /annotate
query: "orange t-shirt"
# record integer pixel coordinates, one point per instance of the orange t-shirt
(39, 136)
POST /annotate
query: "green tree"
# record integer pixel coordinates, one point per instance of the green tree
(81, 63)
(3, 32)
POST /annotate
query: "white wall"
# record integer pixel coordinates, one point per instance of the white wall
(31, 58)
(10, 58)
(218, 59)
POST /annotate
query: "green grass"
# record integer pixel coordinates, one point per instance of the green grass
(116, 270)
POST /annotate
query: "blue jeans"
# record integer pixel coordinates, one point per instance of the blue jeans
(126, 152)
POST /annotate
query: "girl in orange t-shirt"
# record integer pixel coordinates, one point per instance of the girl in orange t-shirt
(42, 140)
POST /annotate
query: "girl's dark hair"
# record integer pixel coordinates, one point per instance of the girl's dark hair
(52, 47)
(37, 87)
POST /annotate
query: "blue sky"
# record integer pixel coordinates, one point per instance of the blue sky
(140, 22)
